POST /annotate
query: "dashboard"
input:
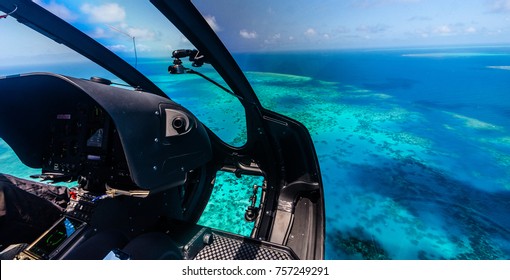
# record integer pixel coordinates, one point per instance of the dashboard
(100, 135)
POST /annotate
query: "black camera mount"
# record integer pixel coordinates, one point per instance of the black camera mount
(197, 59)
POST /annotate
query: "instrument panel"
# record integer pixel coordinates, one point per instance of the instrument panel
(84, 145)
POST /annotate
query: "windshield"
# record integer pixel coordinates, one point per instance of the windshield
(143, 37)
(407, 103)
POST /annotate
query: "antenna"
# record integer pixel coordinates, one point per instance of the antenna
(9, 13)
(132, 37)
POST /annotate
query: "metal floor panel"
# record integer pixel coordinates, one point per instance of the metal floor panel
(227, 248)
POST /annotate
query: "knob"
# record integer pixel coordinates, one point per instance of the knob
(179, 124)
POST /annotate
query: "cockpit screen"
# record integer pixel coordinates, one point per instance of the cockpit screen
(62, 230)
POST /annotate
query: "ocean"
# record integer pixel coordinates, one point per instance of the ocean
(413, 144)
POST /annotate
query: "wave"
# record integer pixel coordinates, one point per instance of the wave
(499, 67)
(475, 123)
(454, 54)
(272, 75)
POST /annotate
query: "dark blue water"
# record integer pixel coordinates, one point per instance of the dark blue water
(452, 79)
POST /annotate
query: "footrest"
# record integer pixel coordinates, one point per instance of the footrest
(225, 246)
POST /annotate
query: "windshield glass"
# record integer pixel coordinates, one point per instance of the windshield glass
(143, 37)
(407, 103)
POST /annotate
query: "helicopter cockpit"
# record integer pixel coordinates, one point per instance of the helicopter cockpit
(145, 166)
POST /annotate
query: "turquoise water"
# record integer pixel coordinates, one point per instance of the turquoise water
(414, 145)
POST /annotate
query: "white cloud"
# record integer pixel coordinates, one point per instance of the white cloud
(140, 33)
(106, 13)
(129, 48)
(443, 30)
(310, 32)
(372, 29)
(143, 48)
(118, 48)
(57, 9)
(452, 29)
(471, 30)
(248, 34)
(99, 33)
(499, 6)
(273, 39)
(211, 20)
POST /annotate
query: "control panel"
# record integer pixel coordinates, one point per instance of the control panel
(84, 145)
(81, 204)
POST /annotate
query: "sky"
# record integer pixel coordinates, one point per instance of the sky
(338, 24)
(267, 25)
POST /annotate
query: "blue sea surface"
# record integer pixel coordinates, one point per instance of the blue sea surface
(414, 145)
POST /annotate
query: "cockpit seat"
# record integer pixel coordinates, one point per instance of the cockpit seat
(153, 246)
(148, 246)
(98, 246)
(28, 208)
